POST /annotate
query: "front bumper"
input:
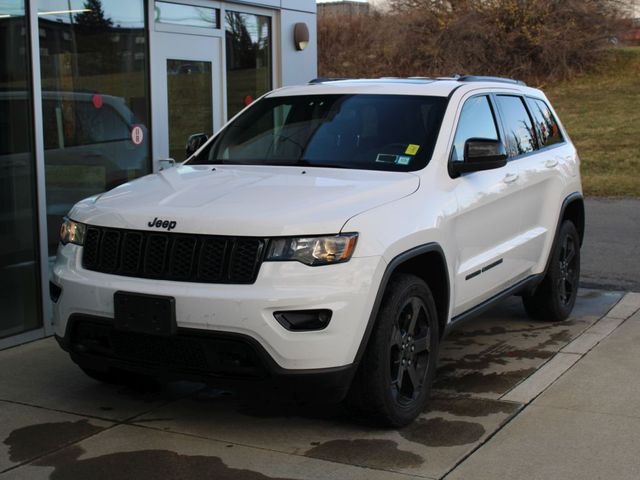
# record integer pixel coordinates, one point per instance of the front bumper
(347, 289)
(218, 358)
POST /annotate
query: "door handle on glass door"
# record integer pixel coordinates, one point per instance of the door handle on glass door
(510, 177)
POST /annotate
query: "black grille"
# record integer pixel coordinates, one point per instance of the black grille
(172, 256)
(204, 353)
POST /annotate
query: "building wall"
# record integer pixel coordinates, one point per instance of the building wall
(298, 67)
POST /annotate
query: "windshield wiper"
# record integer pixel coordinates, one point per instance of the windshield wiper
(307, 163)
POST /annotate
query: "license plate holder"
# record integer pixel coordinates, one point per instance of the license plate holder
(144, 313)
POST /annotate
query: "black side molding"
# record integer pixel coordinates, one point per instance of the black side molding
(528, 285)
(525, 285)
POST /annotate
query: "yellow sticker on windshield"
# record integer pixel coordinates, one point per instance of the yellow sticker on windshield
(412, 149)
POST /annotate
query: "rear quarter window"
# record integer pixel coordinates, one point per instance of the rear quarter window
(546, 124)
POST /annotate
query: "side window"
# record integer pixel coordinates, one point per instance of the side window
(98, 125)
(77, 122)
(518, 128)
(546, 124)
(476, 121)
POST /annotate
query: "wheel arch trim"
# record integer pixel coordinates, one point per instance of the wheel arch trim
(392, 266)
(575, 197)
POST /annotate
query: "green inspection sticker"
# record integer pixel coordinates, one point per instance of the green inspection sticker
(403, 160)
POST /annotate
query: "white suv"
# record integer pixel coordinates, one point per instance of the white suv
(327, 238)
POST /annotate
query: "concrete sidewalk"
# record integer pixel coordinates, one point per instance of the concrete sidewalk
(513, 399)
(585, 426)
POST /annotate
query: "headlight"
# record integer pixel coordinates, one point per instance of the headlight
(72, 232)
(313, 250)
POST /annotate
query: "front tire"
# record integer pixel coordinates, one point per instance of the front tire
(556, 296)
(395, 375)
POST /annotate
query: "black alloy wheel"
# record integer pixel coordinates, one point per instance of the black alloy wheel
(555, 297)
(569, 270)
(409, 351)
(395, 374)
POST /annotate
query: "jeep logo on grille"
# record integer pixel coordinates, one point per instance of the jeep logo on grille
(159, 223)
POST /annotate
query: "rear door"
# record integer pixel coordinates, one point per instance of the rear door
(548, 172)
(534, 142)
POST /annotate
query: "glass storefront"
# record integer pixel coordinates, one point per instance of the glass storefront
(95, 99)
(249, 62)
(76, 120)
(19, 266)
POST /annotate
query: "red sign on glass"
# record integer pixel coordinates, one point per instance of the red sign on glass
(137, 135)
(97, 101)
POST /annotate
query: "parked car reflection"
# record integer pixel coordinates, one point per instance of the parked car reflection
(88, 147)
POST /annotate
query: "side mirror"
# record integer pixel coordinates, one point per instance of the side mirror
(481, 154)
(194, 142)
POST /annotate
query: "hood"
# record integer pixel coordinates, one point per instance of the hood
(260, 201)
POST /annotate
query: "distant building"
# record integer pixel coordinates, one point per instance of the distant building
(344, 7)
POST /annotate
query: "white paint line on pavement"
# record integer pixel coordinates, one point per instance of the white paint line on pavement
(583, 343)
(533, 386)
(539, 381)
(626, 307)
(592, 336)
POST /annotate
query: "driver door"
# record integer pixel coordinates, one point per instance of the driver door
(489, 216)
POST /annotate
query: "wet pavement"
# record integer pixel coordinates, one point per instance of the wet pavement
(57, 423)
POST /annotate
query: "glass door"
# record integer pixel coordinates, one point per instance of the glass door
(19, 265)
(187, 90)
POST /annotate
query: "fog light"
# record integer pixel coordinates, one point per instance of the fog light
(304, 320)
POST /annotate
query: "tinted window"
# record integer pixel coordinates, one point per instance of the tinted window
(186, 15)
(248, 48)
(374, 132)
(476, 121)
(190, 102)
(94, 75)
(19, 249)
(14, 111)
(546, 124)
(517, 124)
(73, 123)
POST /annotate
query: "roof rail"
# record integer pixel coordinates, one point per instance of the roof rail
(325, 79)
(456, 77)
(483, 78)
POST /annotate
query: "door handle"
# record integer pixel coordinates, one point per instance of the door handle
(510, 177)
(552, 162)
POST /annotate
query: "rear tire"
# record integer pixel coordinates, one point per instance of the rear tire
(554, 299)
(395, 375)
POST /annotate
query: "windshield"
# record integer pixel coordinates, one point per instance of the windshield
(373, 132)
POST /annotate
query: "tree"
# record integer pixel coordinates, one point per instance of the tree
(97, 53)
(94, 16)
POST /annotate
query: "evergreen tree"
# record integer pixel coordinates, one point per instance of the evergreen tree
(94, 18)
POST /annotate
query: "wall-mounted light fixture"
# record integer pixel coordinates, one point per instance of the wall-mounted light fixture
(301, 36)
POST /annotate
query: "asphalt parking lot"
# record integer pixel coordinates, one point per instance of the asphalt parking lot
(56, 423)
(611, 250)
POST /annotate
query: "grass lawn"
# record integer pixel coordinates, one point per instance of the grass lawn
(601, 112)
